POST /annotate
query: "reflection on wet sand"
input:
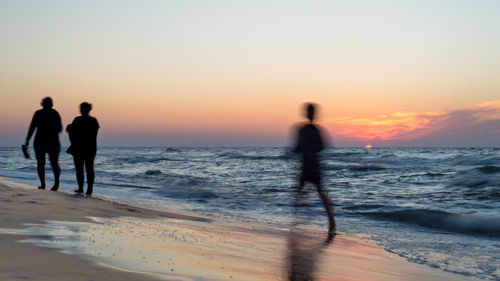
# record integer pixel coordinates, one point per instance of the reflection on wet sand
(304, 252)
(225, 250)
(169, 249)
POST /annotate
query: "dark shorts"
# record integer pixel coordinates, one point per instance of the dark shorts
(41, 150)
(311, 177)
(84, 156)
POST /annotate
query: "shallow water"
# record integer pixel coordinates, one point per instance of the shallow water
(435, 206)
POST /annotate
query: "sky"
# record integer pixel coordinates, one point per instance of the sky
(218, 73)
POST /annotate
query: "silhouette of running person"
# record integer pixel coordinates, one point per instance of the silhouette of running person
(48, 125)
(309, 144)
(83, 137)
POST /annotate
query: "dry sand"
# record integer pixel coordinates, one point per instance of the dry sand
(125, 242)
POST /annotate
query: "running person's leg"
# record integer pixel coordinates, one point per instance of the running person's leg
(327, 203)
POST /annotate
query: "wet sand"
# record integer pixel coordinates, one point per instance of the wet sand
(95, 239)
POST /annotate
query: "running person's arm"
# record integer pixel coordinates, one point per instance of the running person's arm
(319, 145)
(299, 146)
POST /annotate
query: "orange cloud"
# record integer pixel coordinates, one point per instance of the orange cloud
(407, 126)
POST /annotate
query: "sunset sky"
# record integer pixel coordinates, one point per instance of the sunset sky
(210, 73)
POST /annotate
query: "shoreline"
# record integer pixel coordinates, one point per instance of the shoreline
(203, 249)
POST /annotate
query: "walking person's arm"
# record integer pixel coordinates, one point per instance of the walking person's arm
(31, 129)
(59, 123)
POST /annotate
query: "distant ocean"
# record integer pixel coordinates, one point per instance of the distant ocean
(434, 206)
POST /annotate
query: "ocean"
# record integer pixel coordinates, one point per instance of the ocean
(434, 206)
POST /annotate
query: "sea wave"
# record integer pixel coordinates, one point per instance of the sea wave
(344, 154)
(179, 190)
(140, 159)
(431, 174)
(356, 168)
(441, 220)
(366, 168)
(153, 172)
(476, 160)
(477, 177)
(232, 155)
(489, 169)
(364, 206)
(26, 168)
(126, 185)
(377, 159)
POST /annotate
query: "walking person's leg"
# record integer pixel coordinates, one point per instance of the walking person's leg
(54, 162)
(79, 173)
(89, 166)
(40, 166)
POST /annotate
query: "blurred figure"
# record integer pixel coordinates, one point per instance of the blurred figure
(83, 137)
(48, 125)
(304, 249)
(309, 144)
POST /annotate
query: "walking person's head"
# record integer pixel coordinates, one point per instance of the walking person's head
(309, 109)
(47, 103)
(85, 108)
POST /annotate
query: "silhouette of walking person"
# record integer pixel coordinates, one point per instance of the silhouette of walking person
(83, 137)
(48, 125)
(309, 144)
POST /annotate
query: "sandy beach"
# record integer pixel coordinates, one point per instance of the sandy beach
(96, 239)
